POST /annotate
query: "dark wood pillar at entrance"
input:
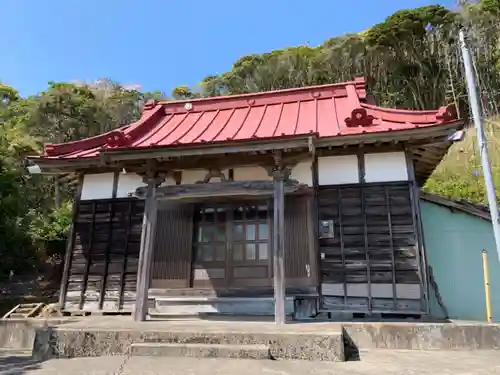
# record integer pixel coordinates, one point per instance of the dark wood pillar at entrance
(279, 176)
(147, 246)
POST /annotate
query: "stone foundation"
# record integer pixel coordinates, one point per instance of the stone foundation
(422, 336)
(324, 341)
(19, 334)
(64, 342)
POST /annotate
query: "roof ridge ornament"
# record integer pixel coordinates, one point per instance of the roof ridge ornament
(446, 113)
(150, 104)
(359, 117)
(49, 149)
(118, 138)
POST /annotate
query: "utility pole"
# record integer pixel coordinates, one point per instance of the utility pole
(481, 139)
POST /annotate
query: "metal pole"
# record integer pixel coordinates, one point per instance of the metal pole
(487, 295)
(481, 139)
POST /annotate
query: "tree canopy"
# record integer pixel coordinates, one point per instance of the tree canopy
(412, 60)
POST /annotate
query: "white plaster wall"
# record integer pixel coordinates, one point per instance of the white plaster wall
(337, 170)
(97, 186)
(385, 167)
(100, 186)
(253, 173)
(127, 183)
(302, 172)
(192, 176)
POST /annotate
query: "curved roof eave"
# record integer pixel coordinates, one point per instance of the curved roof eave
(331, 113)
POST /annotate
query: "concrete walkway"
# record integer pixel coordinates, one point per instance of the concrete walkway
(374, 362)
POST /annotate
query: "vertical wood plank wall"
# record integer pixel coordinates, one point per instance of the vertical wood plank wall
(372, 261)
(299, 264)
(105, 249)
(173, 247)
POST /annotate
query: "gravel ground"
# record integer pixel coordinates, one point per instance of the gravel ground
(375, 362)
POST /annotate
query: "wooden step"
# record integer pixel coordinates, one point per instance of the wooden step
(158, 349)
(24, 310)
(259, 306)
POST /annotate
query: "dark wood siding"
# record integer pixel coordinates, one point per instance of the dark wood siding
(299, 248)
(300, 257)
(104, 256)
(374, 242)
(173, 247)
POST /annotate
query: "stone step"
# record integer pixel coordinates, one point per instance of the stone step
(199, 317)
(158, 349)
(217, 305)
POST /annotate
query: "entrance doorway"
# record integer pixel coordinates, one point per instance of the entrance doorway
(232, 245)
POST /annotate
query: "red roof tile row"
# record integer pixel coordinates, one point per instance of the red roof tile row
(333, 110)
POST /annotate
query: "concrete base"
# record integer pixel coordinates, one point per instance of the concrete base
(200, 350)
(325, 341)
(19, 333)
(320, 341)
(422, 336)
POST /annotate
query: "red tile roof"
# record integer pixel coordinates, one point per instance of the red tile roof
(333, 110)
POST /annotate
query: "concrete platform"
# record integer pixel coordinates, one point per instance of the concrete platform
(422, 336)
(373, 362)
(104, 336)
(318, 341)
(19, 333)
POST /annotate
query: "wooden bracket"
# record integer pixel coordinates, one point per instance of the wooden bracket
(278, 159)
(177, 175)
(312, 147)
(152, 172)
(213, 173)
(158, 177)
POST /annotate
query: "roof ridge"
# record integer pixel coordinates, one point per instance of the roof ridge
(359, 83)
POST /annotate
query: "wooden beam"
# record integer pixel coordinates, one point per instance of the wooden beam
(362, 182)
(202, 149)
(57, 192)
(417, 224)
(146, 250)
(279, 177)
(221, 189)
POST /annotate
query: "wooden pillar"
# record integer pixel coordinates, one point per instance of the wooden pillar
(57, 193)
(279, 247)
(419, 231)
(146, 250)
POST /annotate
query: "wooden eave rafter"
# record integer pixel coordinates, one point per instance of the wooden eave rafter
(111, 155)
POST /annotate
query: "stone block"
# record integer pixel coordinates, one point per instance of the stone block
(282, 345)
(200, 350)
(423, 336)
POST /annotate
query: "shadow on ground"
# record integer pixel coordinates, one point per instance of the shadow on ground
(17, 364)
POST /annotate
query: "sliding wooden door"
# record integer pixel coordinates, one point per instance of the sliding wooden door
(232, 246)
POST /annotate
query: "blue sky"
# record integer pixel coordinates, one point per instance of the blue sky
(161, 44)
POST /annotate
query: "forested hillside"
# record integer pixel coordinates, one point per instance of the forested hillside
(412, 60)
